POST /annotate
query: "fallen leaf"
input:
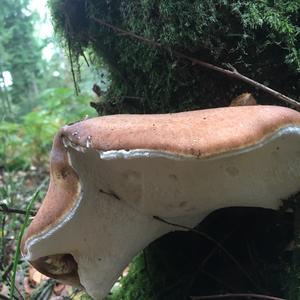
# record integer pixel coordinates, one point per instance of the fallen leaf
(58, 288)
(35, 277)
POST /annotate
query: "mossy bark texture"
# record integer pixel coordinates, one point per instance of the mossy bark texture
(259, 38)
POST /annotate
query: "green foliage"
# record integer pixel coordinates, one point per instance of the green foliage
(18, 250)
(16, 191)
(85, 297)
(260, 38)
(281, 22)
(29, 141)
(136, 284)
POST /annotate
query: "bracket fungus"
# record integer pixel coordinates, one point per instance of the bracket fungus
(111, 175)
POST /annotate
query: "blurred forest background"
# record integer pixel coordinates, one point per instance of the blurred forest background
(36, 98)
(48, 81)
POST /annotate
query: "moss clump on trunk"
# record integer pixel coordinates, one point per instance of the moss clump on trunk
(259, 38)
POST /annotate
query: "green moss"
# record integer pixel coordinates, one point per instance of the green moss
(136, 284)
(260, 38)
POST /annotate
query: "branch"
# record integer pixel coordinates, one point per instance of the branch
(235, 296)
(7, 210)
(231, 72)
(7, 271)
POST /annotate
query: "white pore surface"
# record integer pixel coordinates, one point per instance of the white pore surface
(170, 188)
(106, 233)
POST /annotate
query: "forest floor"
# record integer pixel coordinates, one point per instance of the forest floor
(16, 190)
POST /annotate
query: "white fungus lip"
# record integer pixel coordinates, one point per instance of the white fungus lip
(49, 232)
(147, 153)
(106, 186)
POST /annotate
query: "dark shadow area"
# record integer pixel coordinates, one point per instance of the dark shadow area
(184, 264)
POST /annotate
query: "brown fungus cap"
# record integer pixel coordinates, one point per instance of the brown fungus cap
(63, 191)
(60, 242)
(203, 133)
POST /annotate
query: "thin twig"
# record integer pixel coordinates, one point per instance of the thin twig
(207, 258)
(7, 279)
(7, 271)
(218, 280)
(18, 291)
(8, 210)
(86, 60)
(231, 72)
(2, 240)
(77, 89)
(209, 238)
(132, 97)
(257, 296)
(201, 266)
